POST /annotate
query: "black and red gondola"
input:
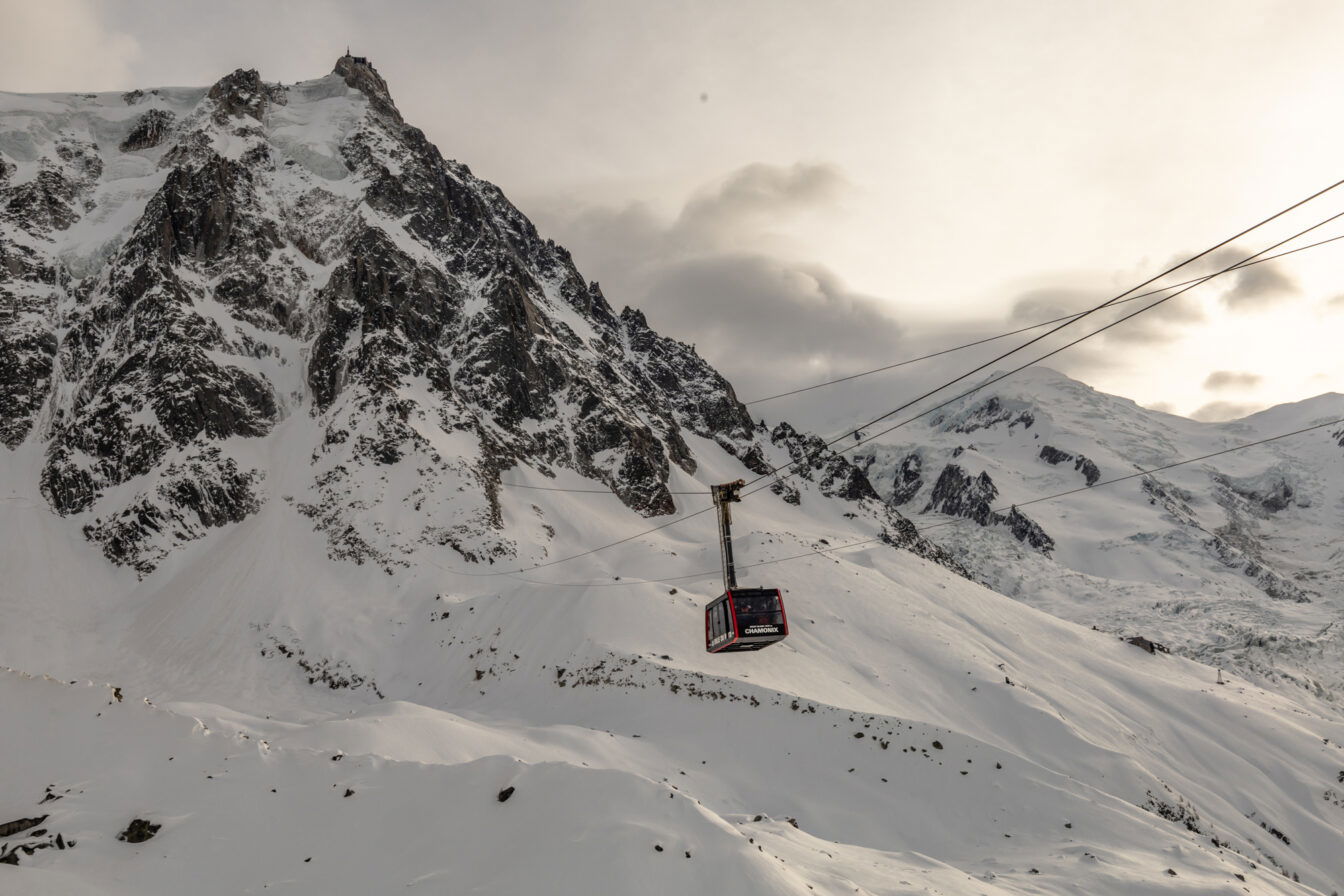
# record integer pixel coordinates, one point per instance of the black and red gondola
(740, 618)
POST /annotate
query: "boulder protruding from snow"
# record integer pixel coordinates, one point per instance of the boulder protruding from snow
(138, 831)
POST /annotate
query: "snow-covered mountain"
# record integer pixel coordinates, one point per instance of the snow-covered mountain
(268, 365)
(1236, 560)
(196, 272)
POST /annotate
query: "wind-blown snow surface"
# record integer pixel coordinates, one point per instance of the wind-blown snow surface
(312, 686)
(1236, 560)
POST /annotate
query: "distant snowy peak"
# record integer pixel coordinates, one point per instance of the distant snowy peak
(1208, 540)
(199, 276)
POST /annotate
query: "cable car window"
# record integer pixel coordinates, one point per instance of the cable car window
(757, 608)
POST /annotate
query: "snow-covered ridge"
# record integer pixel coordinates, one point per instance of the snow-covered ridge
(1236, 560)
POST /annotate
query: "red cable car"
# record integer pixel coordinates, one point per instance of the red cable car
(745, 619)
(740, 618)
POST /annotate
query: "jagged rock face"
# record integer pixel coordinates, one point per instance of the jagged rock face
(150, 130)
(834, 474)
(29, 286)
(148, 368)
(242, 94)
(909, 479)
(192, 495)
(32, 279)
(1054, 456)
(985, 414)
(956, 493)
(304, 264)
(1027, 530)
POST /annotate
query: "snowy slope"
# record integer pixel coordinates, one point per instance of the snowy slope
(1236, 560)
(543, 688)
(576, 706)
(261, 401)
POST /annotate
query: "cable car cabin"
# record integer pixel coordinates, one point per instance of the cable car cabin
(745, 619)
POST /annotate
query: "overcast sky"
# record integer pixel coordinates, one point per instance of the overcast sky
(805, 189)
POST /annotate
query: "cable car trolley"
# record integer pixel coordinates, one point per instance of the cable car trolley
(740, 618)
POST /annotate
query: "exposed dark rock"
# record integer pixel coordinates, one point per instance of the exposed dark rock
(1090, 471)
(50, 201)
(834, 475)
(1082, 464)
(908, 479)
(903, 534)
(335, 674)
(505, 794)
(150, 130)
(207, 210)
(958, 494)
(1053, 455)
(198, 493)
(19, 825)
(138, 831)
(1271, 494)
(242, 94)
(360, 74)
(1145, 644)
(1027, 530)
(988, 413)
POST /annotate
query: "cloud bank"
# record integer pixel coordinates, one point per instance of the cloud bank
(719, 275)
(1223, 411)
(1232, 379)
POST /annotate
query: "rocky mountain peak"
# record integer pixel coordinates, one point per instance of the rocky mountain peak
(299, 273)
(242, 94)
(360, 74)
